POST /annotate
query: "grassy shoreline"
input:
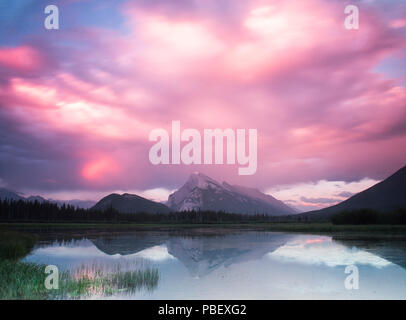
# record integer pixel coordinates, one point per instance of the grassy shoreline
(324, 227)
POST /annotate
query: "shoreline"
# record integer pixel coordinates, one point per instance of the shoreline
(310, 228)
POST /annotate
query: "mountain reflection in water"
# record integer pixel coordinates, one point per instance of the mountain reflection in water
(200, 255)
(236, 264)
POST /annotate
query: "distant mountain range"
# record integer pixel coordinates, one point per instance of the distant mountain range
(201, 192)
(385, 196)
(12, 195)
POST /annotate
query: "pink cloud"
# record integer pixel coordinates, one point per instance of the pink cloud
(23, 58)
(98, 168)
(398, 23)
(289, 69)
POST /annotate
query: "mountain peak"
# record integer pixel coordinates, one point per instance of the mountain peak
(201, 192)
(199, 175)
(200, 180)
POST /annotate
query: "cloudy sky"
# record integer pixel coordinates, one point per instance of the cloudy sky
(77, 104)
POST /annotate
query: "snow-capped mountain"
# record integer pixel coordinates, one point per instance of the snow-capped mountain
(201, 192)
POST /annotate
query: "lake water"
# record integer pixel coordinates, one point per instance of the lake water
(225, 264)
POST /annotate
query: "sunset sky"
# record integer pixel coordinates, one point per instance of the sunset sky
(77, 104)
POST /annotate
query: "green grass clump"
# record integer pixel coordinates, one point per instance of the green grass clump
(19, 280)
(15, 245)
(131, 281)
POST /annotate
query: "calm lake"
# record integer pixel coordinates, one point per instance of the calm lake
(233, 264)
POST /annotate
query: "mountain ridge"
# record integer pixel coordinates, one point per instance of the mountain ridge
(385, 196)
(130, 203)
(16, 196)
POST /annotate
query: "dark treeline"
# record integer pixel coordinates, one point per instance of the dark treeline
(21, 211)
(24, 211)
(368, 216)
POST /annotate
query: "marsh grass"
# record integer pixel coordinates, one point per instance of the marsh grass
(101, 280)
(21, 280)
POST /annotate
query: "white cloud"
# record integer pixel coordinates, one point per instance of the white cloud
(322, 189)
(322, 250)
